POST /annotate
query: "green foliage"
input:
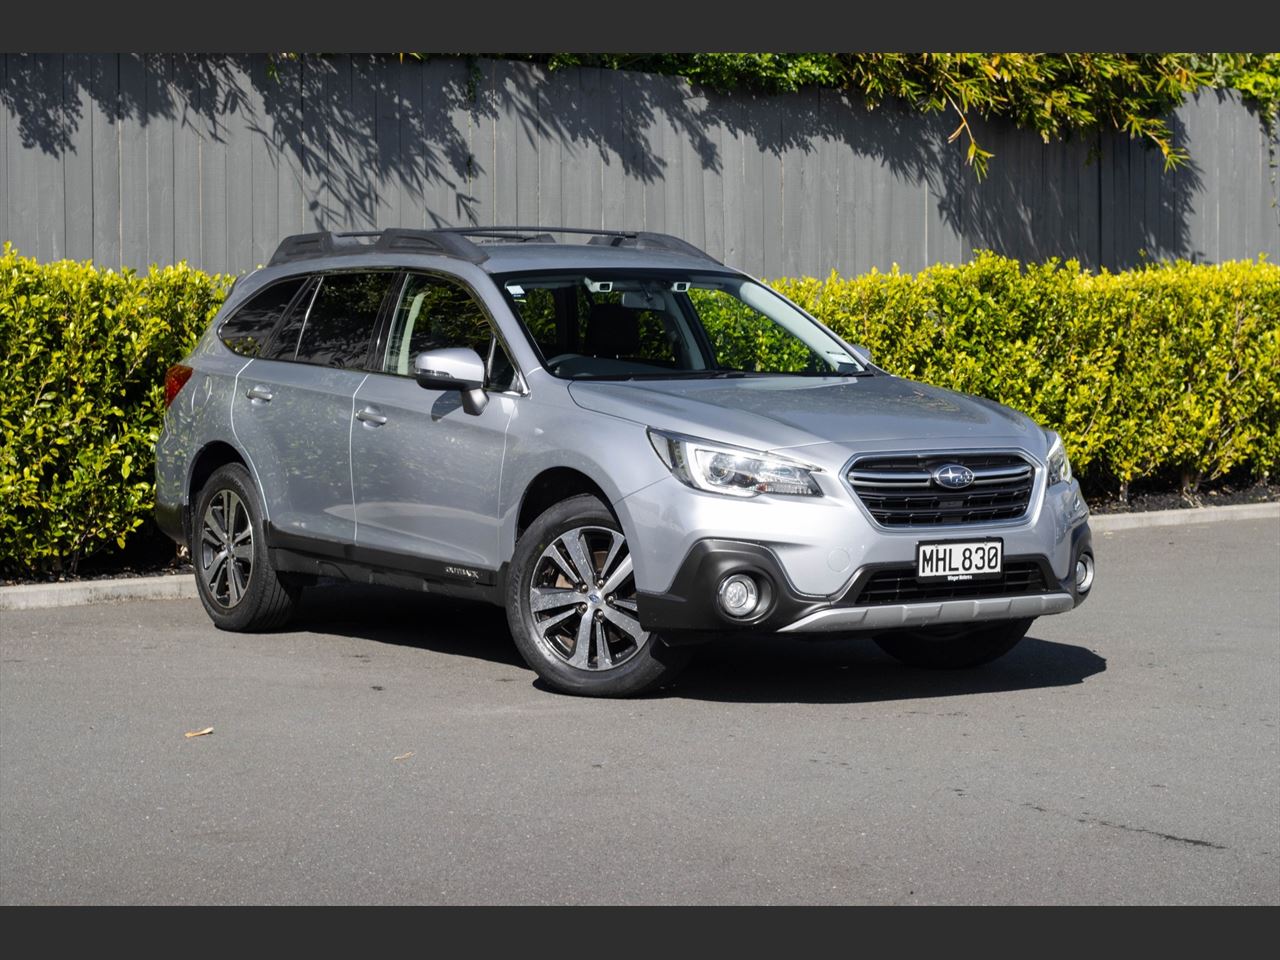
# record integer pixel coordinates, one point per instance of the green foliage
(743, 339)
(1054, 94)
(1168, 371)
(85, 352)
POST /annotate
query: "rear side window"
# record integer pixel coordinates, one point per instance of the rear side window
(246, 331)
(342, 318)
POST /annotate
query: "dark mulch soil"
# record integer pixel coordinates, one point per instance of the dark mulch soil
(153, 555)
(1222, 496)
(148, 554)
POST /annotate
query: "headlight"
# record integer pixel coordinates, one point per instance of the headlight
(1059, 465)
(734, 471)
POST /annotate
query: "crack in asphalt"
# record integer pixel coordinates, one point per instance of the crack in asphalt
(1096, 821)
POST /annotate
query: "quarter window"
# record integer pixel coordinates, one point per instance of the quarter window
(247, 330)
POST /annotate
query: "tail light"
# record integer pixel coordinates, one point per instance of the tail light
(175, 378)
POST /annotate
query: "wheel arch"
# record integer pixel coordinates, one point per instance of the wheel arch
(214, 454)
(555, 485)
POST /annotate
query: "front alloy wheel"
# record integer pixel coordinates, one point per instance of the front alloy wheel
(583, 599)
(571, 605)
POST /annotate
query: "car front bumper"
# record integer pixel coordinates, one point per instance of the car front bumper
(816, 560)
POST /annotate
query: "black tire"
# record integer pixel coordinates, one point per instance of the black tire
(238, 596)
(642, 662)
(953, 648)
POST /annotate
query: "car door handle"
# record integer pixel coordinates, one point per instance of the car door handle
(259, 393)
(371, 416)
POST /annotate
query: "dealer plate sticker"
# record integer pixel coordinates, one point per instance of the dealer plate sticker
(959, 560)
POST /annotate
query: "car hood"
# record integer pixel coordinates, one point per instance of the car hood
(773, 413)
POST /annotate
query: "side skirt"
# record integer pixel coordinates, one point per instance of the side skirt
(291, 553)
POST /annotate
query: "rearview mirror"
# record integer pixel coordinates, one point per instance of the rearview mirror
(453, 368)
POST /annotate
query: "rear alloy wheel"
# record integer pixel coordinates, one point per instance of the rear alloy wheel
(954, 647)
(571, 603)
(238, 586)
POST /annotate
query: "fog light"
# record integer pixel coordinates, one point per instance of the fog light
(1084, 573)
(739, 596)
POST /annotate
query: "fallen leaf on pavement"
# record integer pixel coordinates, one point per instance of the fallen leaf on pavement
(199, 733)
(404, 756)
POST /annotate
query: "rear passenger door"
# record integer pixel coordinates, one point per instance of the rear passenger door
(426, 471)
(292, 409)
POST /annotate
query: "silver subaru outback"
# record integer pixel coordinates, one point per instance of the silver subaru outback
(628, 445)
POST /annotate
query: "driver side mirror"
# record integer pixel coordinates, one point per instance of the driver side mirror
(453, 368)
(862, 353)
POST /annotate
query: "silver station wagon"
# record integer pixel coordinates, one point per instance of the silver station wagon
(628, 445)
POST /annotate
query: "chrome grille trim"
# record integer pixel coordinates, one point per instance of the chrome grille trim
(898, 491)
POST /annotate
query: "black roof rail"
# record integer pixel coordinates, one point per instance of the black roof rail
(640, 239)
(453, 242)
(645, 240)
(307, 246)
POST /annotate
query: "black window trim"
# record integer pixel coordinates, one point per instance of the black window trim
(314, 281)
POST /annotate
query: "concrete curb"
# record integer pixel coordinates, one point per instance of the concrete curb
(32, 596)
(1107, 522)
(38, 595)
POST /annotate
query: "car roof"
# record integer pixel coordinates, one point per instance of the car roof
(499, 250)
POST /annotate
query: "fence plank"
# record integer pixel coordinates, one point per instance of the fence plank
(105, 89)
(23, 188)
(5, 122)
(158, 114)
(508, 184)
(413, 176)
(242, 191)
(264, 158)
(135, 187)
(51, 209)
(386, 84)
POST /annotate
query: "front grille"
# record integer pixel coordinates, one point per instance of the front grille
(899, 585)
(899, 489)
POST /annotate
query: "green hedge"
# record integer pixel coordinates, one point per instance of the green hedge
(85, 352)
(1169, 373)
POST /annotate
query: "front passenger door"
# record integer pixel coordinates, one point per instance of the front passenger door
(427, 472)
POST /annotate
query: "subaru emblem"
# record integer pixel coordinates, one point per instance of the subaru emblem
(953, 476)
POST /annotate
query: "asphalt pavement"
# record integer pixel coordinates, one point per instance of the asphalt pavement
(392, 748)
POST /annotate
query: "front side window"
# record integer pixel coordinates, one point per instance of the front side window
(645, 325)
(342, 319)
(434, 313)
(248, 329)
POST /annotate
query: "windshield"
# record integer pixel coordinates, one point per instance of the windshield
(612, 325)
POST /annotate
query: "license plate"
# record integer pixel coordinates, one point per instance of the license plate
(959, 560)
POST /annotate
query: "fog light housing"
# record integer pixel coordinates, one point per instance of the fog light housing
(1084, 572)
(738, 595)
